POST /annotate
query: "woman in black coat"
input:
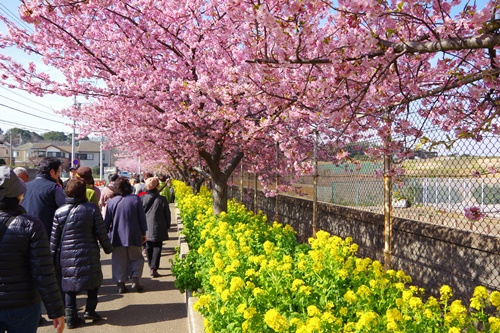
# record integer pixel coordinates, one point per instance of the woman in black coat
(77, 227)
(158, 220)
(26, 269)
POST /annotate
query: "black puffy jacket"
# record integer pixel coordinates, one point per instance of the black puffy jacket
(76, 229)
(26, 267)
(157, 216)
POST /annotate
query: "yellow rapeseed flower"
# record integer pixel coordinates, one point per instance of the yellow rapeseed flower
(313, 324)
(495, 299)
(237, 283)
(249, 313)
(415, 303)
(350, 297)
(296, 284)
(302, 265)
(363, 291)
(394, 315)
(257, 292)
(494, 324)
(201, 302)
(365, 320)
(306, 290)
(457, 313)
(445, 292)
(268, 247)
(328, 318)
(219, 264)
(343, 311)
(312, 311)
(225, 295)
(245, 325)
(275, 321)
(241, 308)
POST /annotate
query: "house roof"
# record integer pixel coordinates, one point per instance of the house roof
(83, 146)
(25, 146)
(91, 146)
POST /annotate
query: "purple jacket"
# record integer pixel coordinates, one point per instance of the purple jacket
(125, 220)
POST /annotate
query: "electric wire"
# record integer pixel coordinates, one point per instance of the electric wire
(47, 113)
(15, 18)
(28, 127)
(33, 115)
(12, 91)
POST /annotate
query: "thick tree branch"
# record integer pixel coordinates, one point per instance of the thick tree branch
(485, 41)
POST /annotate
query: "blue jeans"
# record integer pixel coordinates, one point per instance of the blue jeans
(20, 320)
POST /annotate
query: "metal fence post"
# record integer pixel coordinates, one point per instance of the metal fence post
(315, 186)
(387, 212)
(256, 210)
(276, 215)
(241, 183)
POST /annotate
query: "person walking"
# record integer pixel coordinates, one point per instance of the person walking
(22, 174)
(26, 270)
(164, 187)
(43, 194)
(107, 192)
(158, 218)
(85, 173)
(72, 175)
(77, 228)
(126, 224)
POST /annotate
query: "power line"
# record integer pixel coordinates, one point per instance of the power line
(27, 127)
(50, 114)
(34, 115)
(33, 101)
(15, 18)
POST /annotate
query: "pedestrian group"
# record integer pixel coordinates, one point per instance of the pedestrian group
(51, 234)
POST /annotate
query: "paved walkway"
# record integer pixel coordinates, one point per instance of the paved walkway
(160, 309)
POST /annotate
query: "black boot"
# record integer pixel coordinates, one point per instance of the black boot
(90, 310)
(72, 319)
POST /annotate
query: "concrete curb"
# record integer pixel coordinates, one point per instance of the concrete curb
(195, 320)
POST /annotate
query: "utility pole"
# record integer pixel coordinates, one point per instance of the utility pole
(11, 154)
(73, 137)
(100, 159)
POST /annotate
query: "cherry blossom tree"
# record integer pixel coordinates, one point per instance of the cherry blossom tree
(209, 82)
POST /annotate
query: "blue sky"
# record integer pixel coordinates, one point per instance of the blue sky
(23, 110)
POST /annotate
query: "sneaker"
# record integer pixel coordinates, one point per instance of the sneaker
(92, 315)
(121, 288)
(154, 273)
(137, 287)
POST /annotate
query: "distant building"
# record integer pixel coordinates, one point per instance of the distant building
(423, 154)
(87, 153)
(5, 153)
(30, 154)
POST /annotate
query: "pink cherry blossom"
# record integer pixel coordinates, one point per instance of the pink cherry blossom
(210, 84)
(474, 213)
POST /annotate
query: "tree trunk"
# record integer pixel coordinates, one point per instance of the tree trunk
(220, 175)
(219, 195)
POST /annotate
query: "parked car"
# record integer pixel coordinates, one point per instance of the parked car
(124, 174)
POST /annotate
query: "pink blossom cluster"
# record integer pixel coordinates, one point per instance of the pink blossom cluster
(218, 83)
(474, 213)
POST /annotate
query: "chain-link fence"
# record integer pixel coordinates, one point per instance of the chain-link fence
(453, 189)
